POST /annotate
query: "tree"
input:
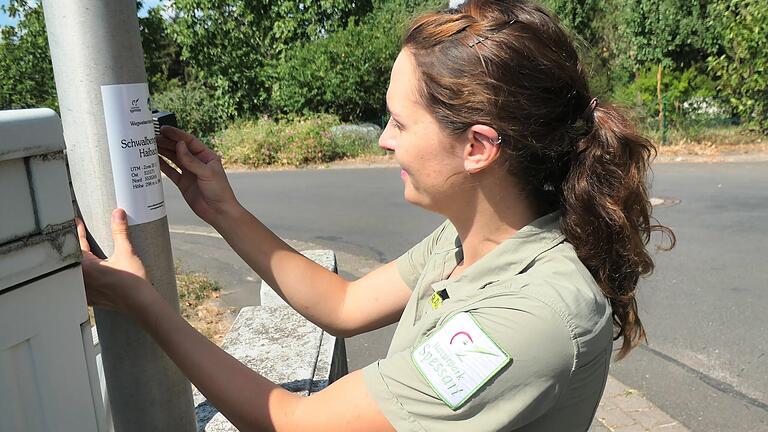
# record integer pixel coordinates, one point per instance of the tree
(162, 55)
(741, 60)
(667, 33)
(578, 16)
(347, 72)
(230, 43)
(26, 74)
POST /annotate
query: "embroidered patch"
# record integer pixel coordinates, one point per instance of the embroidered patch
(458, 359)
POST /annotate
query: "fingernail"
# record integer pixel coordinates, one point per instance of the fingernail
(118, 215)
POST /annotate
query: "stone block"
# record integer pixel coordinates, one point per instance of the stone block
(324, 257)
(281, 345)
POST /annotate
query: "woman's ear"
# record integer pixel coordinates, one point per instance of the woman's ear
(482, 149)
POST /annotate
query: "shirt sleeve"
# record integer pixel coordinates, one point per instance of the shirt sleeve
(542, 352)
(411, 263)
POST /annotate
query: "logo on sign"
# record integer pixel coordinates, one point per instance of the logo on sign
(462, 345)
(134, 106)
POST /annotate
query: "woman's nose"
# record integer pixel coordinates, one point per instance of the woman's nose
(386, 143)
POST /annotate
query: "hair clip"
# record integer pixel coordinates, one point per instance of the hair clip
(480, 40)
(590, 109)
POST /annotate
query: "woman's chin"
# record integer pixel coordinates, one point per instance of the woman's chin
(413, 197)
(410, 195)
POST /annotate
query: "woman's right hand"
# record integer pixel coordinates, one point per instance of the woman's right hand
(202, 180)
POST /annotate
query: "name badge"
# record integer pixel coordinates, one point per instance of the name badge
(458, 359)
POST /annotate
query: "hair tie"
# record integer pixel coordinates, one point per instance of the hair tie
(590, 109)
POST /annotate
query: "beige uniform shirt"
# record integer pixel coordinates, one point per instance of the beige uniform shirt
(540, 306)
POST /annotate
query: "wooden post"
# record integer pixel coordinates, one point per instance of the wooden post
(661, 105)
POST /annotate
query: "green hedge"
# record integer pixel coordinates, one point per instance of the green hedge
(347, 72)
(294, 141)
(688, 95)
(199, 110)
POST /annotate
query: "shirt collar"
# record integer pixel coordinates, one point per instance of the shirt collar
(507, 259)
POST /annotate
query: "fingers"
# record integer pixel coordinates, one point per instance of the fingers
(165, 143)
(167, 148)
(189, 161)
(82, 237)
(120, 231)
(170, 155)
(170, 172)
(176, 135)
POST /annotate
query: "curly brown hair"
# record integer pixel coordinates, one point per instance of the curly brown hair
(512, 66)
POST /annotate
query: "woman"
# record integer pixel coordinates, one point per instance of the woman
(508, 310)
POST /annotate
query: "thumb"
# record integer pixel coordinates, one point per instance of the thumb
(188, 160)
(120, 231)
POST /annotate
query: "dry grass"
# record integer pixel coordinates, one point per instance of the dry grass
(714, 142)
(200, 305)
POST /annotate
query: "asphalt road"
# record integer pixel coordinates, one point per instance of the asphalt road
(706, 363)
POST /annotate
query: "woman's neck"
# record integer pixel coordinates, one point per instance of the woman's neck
(496, 212)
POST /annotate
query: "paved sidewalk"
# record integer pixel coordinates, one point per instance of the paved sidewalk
(623, 409)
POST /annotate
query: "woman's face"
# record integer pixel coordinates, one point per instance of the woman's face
(431, 160)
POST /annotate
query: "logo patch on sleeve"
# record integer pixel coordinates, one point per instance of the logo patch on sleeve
(458, 359)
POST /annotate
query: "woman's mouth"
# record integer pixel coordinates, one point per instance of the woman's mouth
(403, 174)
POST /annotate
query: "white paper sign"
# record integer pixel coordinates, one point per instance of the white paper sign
(458, 359)
(133, 152)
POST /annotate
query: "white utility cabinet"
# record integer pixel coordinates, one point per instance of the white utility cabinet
(48, 373)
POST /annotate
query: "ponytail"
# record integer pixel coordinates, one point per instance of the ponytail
(512, 66)
(607, 215)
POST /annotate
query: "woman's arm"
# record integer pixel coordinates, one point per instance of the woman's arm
(250, 401)
(336, 305)
(247, 399)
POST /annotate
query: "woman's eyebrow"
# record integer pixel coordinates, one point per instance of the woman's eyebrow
(389, 111)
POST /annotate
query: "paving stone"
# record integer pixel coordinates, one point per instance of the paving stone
(625, 409)
(632, 428)
(614, 418)
(598, 427)
(652, 418)
(613, 387)
(675, 427)
(631, 402)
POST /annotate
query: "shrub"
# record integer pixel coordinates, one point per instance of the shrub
(347, 72)
(293, 141)
(232, 41)
(688, 96)
(199, 110)
(741, 63)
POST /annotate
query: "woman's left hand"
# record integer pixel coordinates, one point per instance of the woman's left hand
(120, 282)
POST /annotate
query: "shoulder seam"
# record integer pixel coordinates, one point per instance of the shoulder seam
(576, 346)
(566, 320)
(571, 332)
